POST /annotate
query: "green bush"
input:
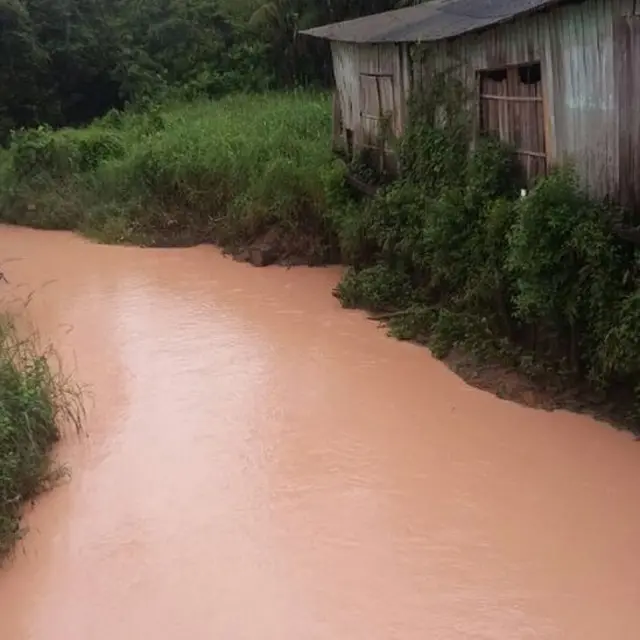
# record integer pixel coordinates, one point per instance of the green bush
(377, 288)
(450, 246)
(541, 281)
(61, 154)
(434, 150)
(568, 270)
(394, 225)
(618, 353)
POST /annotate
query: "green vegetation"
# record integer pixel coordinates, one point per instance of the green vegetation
(459, 261)
(34, 403)
(229, 171)
(72, 61)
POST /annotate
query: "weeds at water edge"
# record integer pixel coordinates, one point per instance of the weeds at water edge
(228, 172)
(36, 402)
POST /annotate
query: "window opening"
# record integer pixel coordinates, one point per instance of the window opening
(512, 109)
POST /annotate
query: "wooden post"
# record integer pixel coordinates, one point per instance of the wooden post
(337, 142)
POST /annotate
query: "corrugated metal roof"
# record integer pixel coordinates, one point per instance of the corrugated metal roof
(428, 22)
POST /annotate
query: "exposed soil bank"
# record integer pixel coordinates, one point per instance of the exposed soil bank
(264, 465)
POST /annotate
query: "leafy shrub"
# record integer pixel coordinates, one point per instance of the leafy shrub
(376, 288)
(62, 153)
(567, 268)
(394, 225)
(460, 330)
(492, 172)
(435, 148)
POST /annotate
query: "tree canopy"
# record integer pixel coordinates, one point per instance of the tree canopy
(68, 61)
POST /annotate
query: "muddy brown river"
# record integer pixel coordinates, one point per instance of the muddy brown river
(262, 465)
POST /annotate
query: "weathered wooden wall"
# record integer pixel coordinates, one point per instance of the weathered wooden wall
(512, 107)
(371, 83)
(627, 79)
(575, 46)
(345, 70)
(589, 53)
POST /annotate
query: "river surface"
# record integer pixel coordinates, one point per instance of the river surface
(262, 465)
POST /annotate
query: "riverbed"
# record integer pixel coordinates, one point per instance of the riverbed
(259, 464)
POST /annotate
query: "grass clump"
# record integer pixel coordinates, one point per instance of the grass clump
(34, 402)
(229, 172)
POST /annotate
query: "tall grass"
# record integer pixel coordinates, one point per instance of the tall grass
(227, 171)
(34, 402)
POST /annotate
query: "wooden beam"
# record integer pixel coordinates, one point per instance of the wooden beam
(490, 96)
(359, 185)
(376, 75)
(532, 154)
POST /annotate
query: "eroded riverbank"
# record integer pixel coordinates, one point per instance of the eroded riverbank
(264, 465)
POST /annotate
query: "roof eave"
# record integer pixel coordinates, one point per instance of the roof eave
(324, 32)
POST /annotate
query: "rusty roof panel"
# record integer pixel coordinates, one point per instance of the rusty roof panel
(428, 22)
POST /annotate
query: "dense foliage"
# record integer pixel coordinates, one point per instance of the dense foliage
(463, 262)
(65, 62)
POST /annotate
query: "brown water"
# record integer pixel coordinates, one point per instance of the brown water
(261, 465)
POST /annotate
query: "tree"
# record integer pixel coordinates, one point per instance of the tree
(301, 60)
(22, 63)
(65, 62)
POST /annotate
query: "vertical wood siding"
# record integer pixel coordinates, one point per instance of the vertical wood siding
(590, 83)
(627, 78)
(345, 69)
(513, 110)
(575, 46)
(362, 98)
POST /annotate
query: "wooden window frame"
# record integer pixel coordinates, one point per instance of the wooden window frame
(481, 74)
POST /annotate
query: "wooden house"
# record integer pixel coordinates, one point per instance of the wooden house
(557, 79)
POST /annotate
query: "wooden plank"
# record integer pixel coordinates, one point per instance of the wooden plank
(546, 115)
(532, 154)
(515, 125)
(405, 85)
(627, 39)
(502, 113)
(506, 98)
(345, 72)
(547, 89)
(369, 106)
(477, 119)
(387, 54)
(338, 137)
(400, 101)
(513, 110)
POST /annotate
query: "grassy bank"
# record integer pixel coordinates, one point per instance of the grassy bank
(34, 402)
(227, 171)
